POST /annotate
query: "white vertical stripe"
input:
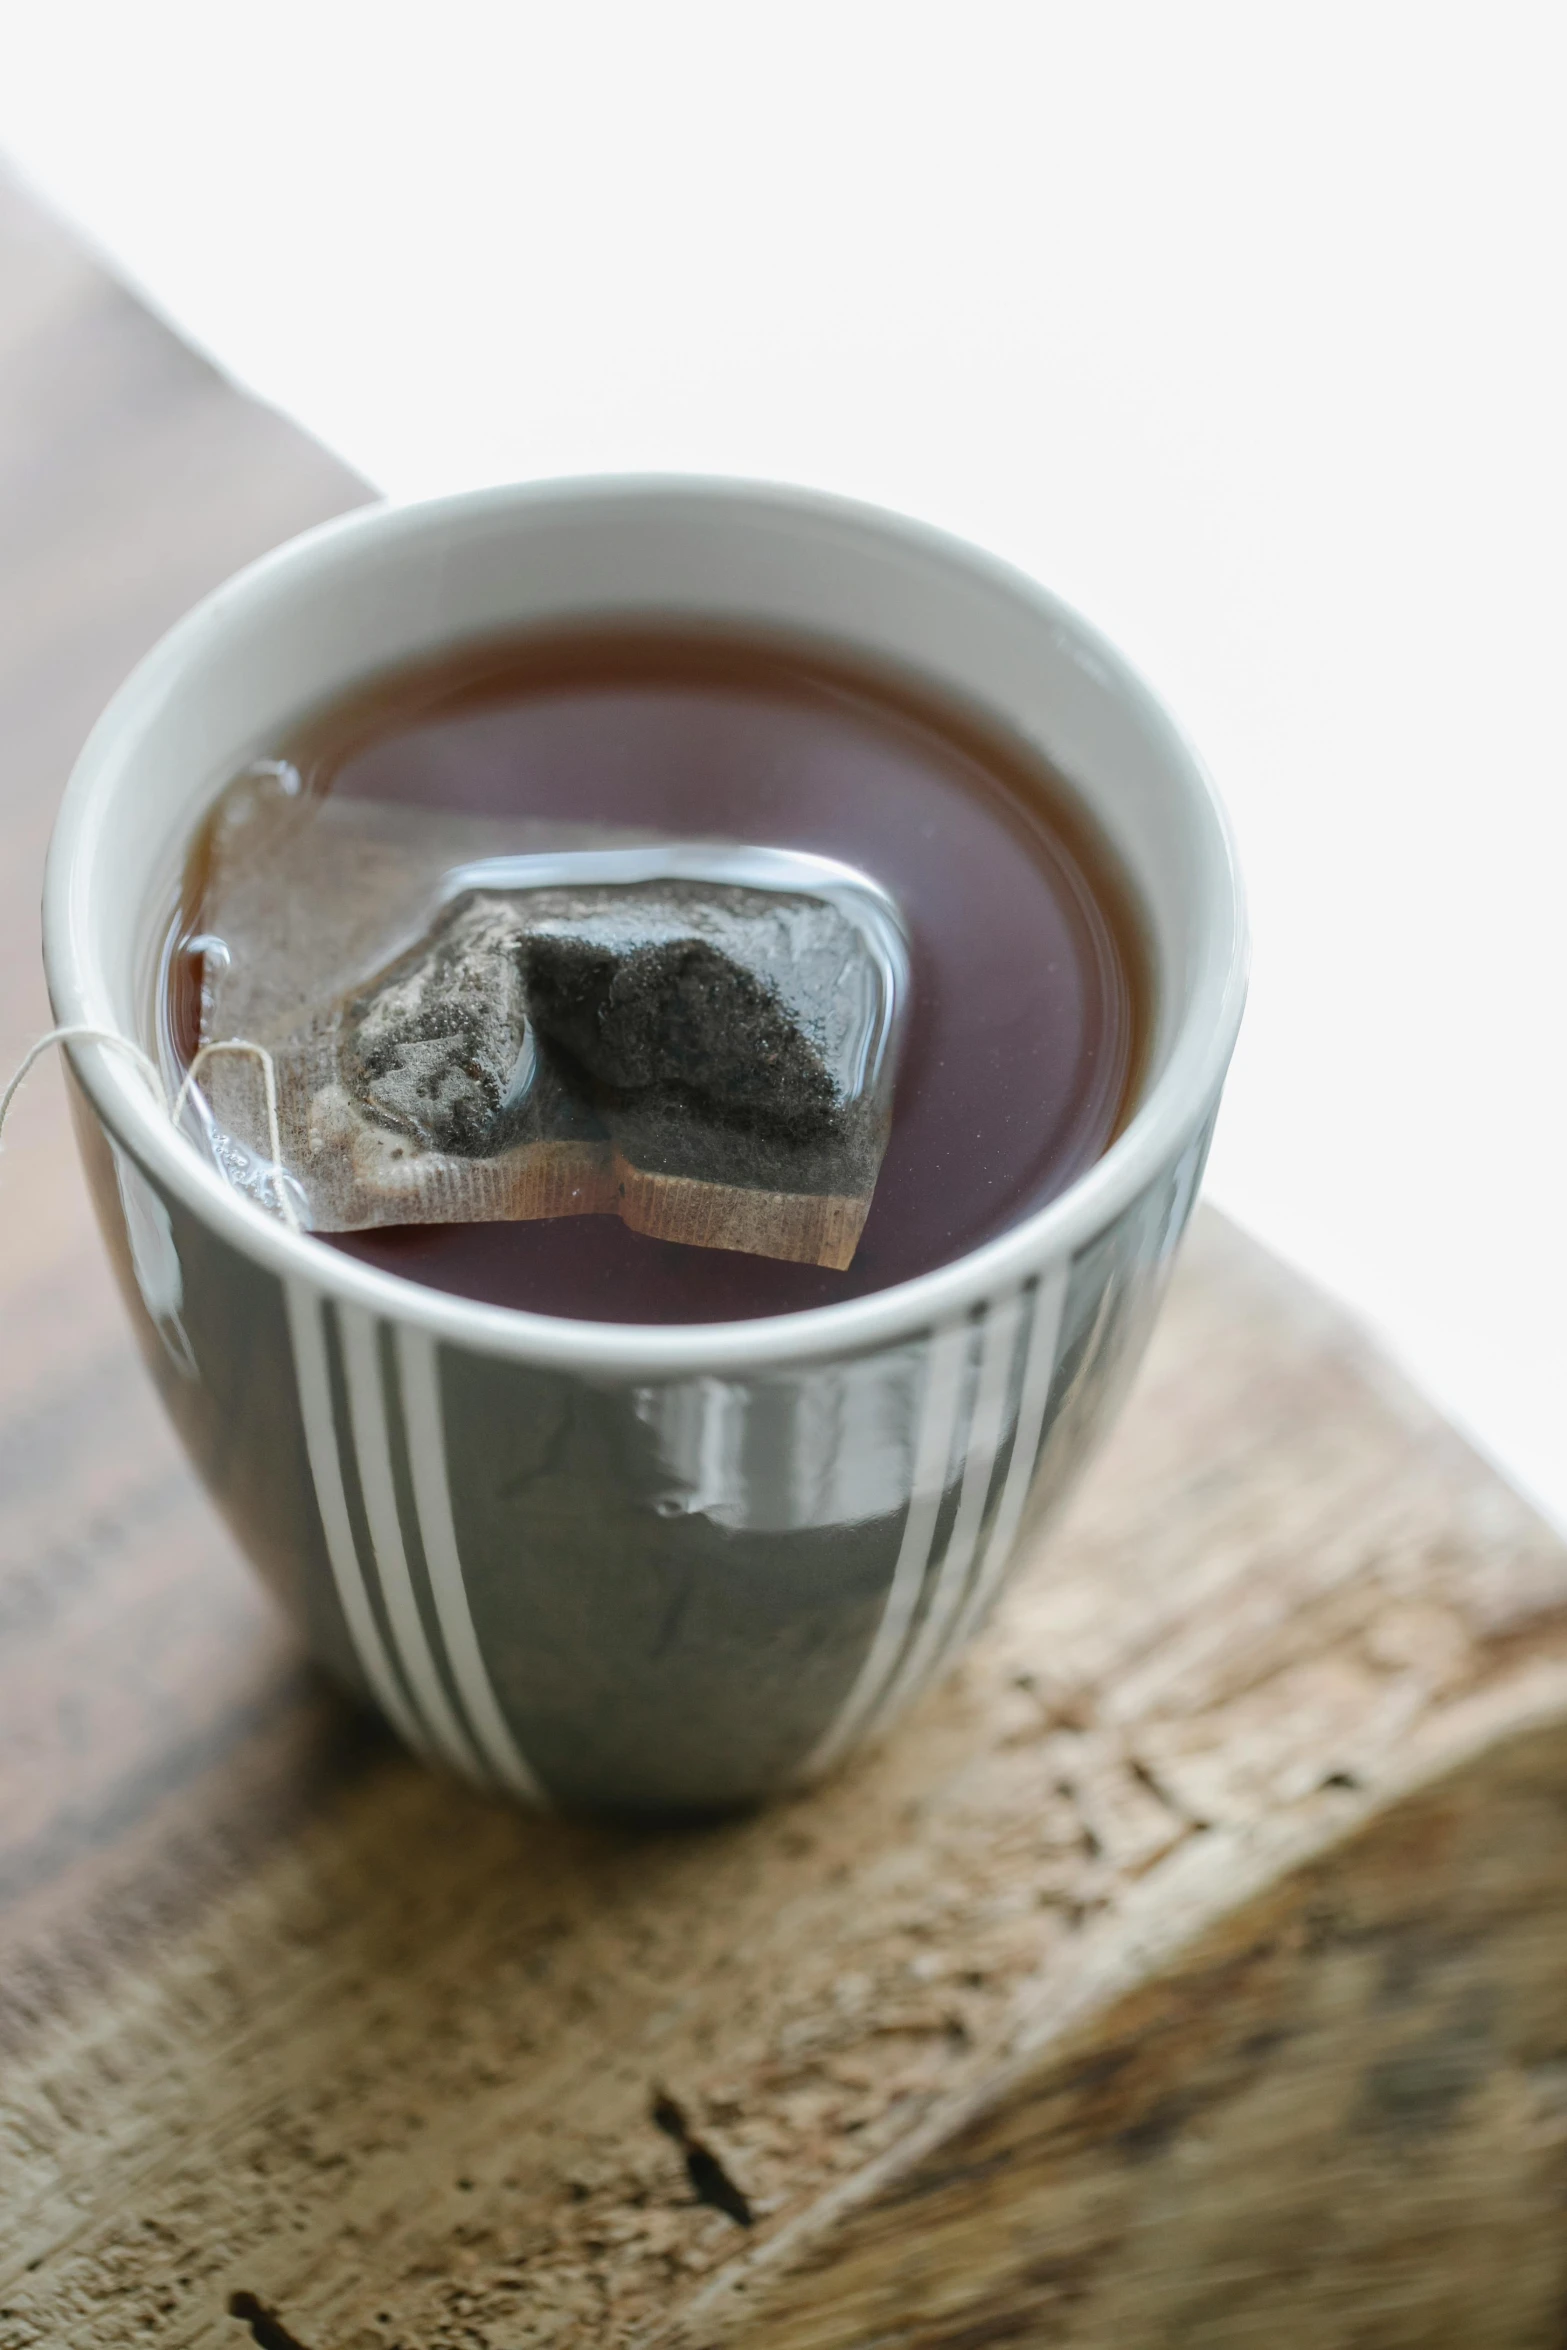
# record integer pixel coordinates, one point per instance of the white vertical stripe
(1038, 1372)
(314, 1382)
(944, 1360)
(372, 1445)
(424, 1428)
(997, 1364)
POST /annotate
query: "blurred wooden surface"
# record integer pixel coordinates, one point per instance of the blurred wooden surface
(1188, 1970)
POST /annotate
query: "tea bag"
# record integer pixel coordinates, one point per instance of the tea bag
(698, 1037)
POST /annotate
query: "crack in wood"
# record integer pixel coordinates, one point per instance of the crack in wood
(710, 2182)
(266, 2327)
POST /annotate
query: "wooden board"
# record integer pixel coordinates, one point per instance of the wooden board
(1189, 1969)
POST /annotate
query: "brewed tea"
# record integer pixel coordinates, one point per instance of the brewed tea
(1027, 987)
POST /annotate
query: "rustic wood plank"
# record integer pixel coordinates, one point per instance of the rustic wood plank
(1187, 1970)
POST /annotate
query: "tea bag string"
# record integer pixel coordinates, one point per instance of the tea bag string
(78, 1033)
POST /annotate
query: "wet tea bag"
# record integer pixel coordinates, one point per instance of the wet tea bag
(698, 1037)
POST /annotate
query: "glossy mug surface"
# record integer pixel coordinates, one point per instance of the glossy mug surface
(639, 1567)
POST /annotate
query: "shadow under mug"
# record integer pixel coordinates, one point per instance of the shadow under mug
(619, 1566)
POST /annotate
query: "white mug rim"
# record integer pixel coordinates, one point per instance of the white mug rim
(1154, 1136)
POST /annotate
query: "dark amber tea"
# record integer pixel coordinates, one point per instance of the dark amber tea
(1023, 987)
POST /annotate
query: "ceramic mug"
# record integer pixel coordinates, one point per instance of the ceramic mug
(656, 1568)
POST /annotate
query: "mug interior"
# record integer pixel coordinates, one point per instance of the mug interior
(393, 585)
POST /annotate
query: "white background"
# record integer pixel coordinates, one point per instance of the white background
(1242, 326)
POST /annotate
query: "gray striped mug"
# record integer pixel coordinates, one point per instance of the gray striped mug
(656, 1568)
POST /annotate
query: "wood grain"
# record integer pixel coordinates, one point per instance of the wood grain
(1187, 1970)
